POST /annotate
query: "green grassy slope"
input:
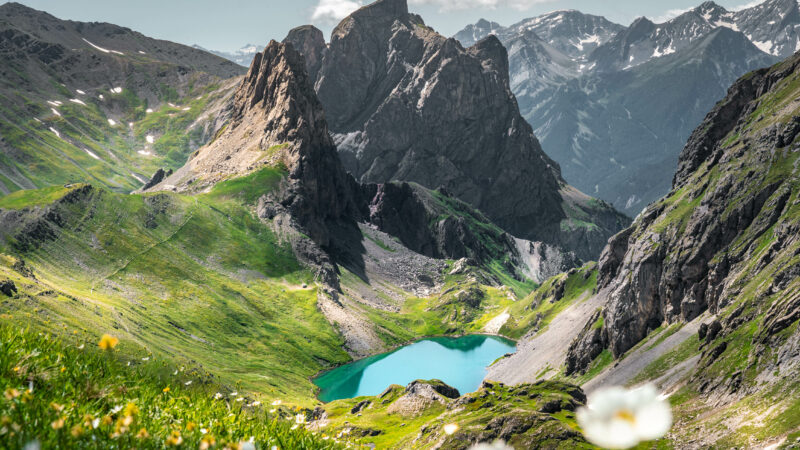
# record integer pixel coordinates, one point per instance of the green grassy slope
(189, 278)
(61, 390)
(45, 144)
(539, 415)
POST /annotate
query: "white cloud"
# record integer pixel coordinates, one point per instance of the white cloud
(747, 5)
(328, 11)
(452, 5)
(669, 15)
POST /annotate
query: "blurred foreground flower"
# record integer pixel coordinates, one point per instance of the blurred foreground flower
(450, 428)
(621, 418)
(108, 342)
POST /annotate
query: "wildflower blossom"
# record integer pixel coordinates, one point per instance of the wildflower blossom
(188, 383)
(450, 428)
(11, 393)
(165, 390)
(107, 342)
(131, 409)
(76, 431)
(620, 418)
(217, 396)
(276, 403)
(207, 442)
(58, 423)
(175, 439)
(142, 434)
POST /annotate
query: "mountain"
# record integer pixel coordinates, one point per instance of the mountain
(577, 77)
(601, 123)
(262, 262)
(405, 103)
(700, 295)
(94, 101)
(243, 56)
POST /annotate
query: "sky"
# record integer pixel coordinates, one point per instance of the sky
(230, 24)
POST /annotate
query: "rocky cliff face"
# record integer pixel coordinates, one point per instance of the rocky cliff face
(277, 125)
(405, 103)
(725, 239)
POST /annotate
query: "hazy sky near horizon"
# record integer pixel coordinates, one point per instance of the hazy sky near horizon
(228, 25)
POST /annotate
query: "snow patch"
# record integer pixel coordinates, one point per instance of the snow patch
(765, 46)
(75, 100)
(55, 112)
(104, 50)
(91, 153)
(150, 139)
(80, 92)
(149, 110)
(135, 176)
(112, 122)
(593, 39)
(633, 200)
(101, 96)
(116, 90)
(55, 132)
(144, 152)
(186, 108)
(667, 51)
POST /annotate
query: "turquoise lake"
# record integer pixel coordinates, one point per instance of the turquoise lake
(460, 362)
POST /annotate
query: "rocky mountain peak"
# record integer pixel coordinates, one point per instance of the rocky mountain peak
(493, 54)
(310, 42)
(277, 121)
(375, 16)
(405, 103)
(640, 27)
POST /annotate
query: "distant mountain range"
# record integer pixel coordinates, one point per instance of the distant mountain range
(613, 105)
(243, 56)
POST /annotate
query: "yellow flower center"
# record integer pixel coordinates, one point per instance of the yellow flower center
(626, 415)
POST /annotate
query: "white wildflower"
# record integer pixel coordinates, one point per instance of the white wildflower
(621, 418)
(450, 428)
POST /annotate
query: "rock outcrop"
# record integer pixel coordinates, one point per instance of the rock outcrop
(438, 225)
(277, 122)
(407, 104)
(725, 238)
